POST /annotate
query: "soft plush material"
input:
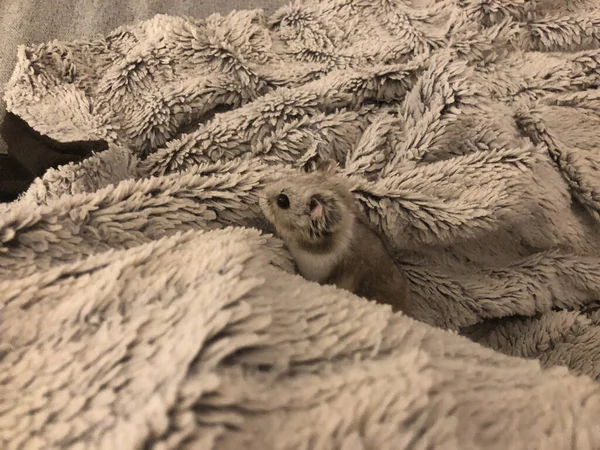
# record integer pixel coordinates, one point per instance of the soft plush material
(145, 305)
(32, 21)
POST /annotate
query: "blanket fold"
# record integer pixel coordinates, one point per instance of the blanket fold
(145, 305)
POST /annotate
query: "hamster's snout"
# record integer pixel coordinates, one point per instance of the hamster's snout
(283, 202)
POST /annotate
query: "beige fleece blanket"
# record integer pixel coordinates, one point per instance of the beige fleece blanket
(142, 309)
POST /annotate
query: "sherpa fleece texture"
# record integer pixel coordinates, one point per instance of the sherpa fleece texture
(140, 310)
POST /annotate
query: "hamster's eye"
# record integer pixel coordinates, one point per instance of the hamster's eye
(283, 201)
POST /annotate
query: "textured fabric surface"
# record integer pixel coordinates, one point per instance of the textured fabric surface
(32, 22)
(469, 131)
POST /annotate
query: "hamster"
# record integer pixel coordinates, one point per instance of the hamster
(319, 220)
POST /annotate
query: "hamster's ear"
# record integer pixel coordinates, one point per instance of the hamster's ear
(327, 167)
(315, 207)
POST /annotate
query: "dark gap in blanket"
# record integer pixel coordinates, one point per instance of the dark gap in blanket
(205, 408)
(480, 330)
(591, 307)
(31, 153)
(14, 178)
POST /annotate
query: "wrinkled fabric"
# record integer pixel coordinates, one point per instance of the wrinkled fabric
(141, 308)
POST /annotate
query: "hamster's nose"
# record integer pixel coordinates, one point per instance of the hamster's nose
(283, 201)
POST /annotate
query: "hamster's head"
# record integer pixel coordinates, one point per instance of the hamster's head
(311, 210)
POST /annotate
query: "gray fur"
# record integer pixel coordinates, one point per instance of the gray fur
(364, 266)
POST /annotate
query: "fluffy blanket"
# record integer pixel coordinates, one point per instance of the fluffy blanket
(142, 308)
